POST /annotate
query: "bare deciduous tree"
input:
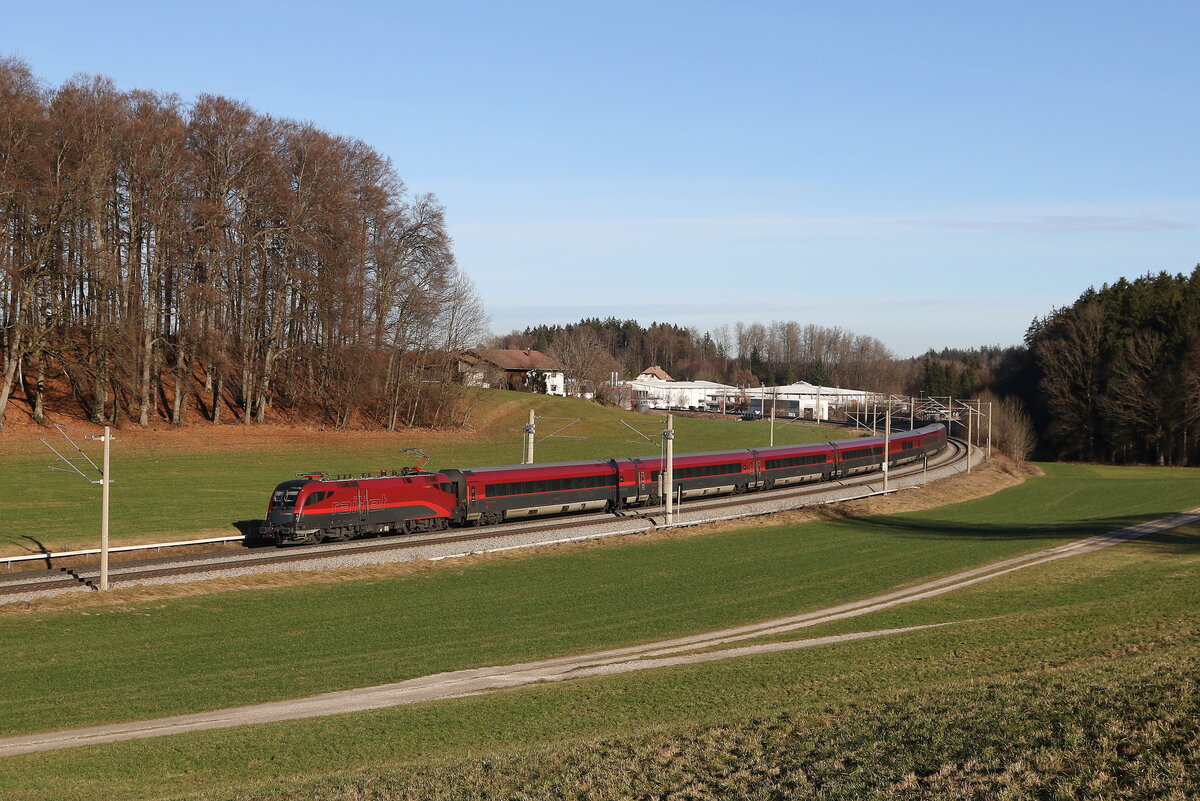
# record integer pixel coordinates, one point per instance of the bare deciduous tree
(585, 355)
(1012, 431)
(266, 258)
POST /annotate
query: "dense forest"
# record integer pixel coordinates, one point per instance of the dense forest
(1116, 375)
(157, 257)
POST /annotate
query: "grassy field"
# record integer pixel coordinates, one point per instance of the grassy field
(200, 482)
(1030, 689)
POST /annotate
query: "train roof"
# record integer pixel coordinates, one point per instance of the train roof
(471, 471)
(808, 446)
(857, 442)
(391, 475)
(738, 453)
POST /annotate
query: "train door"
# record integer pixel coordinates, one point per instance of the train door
(374, 509)
(363, 504)
(464, 495)
(637, 474)
(758, 467)
(618, 495)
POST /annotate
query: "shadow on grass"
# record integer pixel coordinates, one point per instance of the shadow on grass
(29, 544)
(927, 529)
(250, 530)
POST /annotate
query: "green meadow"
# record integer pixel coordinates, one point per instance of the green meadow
(1080, 674)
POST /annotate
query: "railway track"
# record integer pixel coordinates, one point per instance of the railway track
(572, 527)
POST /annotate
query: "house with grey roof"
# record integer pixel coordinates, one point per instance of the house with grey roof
(523, 370)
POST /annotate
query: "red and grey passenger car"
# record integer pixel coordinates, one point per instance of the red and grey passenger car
(487, 495)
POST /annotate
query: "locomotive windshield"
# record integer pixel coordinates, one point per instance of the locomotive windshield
(285, 497)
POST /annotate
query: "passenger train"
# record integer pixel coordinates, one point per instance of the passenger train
(315, 508)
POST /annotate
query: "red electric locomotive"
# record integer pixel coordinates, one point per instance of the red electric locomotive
(313, 508)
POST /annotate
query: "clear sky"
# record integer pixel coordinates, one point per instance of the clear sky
(930, 173)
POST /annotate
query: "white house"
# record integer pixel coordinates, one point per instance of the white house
(512, 369)
(652, 374)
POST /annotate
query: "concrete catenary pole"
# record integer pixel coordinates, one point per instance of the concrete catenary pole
(887, 444)
(970, 420)
(989, 434)
(530, 432)
(774, 400)
(104, 482)
(669, 473)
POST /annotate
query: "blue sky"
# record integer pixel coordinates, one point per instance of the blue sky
(932, 174)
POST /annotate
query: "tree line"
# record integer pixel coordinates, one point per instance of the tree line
(753, 354)
(158, 257)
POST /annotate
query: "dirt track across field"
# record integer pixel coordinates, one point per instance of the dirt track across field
(683, 650)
